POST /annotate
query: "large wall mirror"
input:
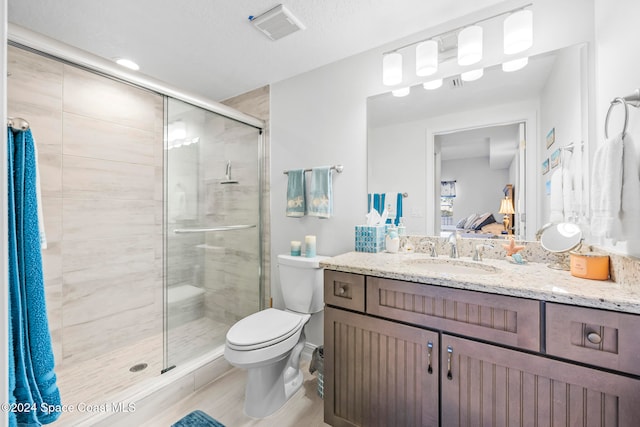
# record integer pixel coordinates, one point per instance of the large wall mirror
(499, 137)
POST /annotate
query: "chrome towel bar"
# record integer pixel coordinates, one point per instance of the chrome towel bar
(337, 168)
(205, 230)
(633, 100)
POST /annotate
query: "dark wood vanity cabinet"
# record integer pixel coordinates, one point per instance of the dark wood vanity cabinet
(423, 355)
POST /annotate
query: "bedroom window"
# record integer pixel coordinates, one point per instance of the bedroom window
(447, 195)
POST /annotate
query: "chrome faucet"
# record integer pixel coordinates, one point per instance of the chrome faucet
(453, 241)
(479, 249)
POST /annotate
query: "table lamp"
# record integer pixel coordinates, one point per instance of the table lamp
(506, 208)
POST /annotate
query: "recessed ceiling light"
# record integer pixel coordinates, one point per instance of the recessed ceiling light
(128, 63)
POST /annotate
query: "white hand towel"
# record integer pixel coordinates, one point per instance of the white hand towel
(562, 195)
(555, 198)
(606, 188)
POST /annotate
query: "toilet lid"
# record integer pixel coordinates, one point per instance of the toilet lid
(264, 328)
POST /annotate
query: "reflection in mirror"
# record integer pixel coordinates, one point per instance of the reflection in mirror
(483, 163)
(489, 136)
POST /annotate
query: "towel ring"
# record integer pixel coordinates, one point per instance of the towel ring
(626, 116)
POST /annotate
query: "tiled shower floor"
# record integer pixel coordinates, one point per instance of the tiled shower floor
(97, 381)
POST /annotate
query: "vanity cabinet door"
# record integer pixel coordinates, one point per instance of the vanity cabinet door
(378, 373)
(485, 385)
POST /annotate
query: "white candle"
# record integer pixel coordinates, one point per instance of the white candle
(310, 246)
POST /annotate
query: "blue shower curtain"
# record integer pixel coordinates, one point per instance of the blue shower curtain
(33, 394)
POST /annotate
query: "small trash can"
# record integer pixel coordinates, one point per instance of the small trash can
(317, 364)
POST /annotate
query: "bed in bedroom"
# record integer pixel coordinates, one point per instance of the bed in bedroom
(481, 226)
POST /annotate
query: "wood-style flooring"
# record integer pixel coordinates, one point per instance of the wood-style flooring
(223, 400)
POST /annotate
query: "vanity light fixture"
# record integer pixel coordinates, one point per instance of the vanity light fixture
(518, 32)
(518, 36)
(433, 84)
(469, 76)
(470, 45)
(127, 63)
(515, 65)
(401, 92)
(426, 58)
(392, 69)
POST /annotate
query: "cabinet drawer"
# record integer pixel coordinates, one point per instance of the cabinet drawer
(344, 290)
(497, 318)
(597, 337)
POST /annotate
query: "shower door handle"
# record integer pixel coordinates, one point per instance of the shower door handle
(205, 230)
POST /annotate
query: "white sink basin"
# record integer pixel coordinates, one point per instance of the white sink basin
(450, 266)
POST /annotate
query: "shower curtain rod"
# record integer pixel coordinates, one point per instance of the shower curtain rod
(25, 38)
(17, 123)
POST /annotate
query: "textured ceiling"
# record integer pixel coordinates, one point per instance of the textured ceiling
(209, 46)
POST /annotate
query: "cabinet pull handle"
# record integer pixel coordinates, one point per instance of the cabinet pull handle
(594, 338)
(449, 354)
(429, 349)
(341, 290)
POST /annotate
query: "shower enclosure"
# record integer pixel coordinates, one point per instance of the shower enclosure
(153, 220)
(212, 255)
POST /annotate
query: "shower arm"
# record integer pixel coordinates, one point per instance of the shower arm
(204, 230)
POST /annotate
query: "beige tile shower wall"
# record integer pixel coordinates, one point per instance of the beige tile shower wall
(231, 262)
(257, 104)
(100, 156)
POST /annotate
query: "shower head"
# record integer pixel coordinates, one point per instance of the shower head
(227, 176)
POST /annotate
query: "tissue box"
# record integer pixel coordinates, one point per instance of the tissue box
(370, 238)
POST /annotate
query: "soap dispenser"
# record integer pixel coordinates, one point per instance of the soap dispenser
(392, 241)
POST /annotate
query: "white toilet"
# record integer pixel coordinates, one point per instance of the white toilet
(269, 343)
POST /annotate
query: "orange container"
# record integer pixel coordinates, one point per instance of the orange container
(589, 265)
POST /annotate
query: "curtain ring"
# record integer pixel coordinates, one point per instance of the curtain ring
(626, 116)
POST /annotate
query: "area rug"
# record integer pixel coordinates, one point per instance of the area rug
(197, 419)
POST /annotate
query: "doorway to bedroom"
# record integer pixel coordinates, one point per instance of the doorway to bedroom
(481, 172)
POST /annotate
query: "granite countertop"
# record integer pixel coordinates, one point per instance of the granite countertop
(498, 276)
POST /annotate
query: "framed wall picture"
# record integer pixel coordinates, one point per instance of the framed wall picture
(555, 158)
(551, 137)
(545, 166)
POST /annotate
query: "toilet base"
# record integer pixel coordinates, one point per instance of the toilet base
(270, 387)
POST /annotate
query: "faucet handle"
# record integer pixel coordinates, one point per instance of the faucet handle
(479, 250)
(434, 254)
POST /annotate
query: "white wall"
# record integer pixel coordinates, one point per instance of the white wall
(319, 118)
(478, 187)
(618, 74)
(401, 150)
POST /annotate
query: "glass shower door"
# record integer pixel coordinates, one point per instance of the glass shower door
(212, 238)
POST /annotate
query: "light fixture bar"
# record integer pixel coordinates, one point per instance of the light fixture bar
(445, 33)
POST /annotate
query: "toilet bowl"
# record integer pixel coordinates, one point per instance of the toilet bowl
(269, 343)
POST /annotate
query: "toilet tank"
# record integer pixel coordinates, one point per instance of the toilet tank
(301, 281)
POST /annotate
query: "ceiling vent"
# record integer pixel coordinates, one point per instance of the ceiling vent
(455, 82)
(277, 22)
